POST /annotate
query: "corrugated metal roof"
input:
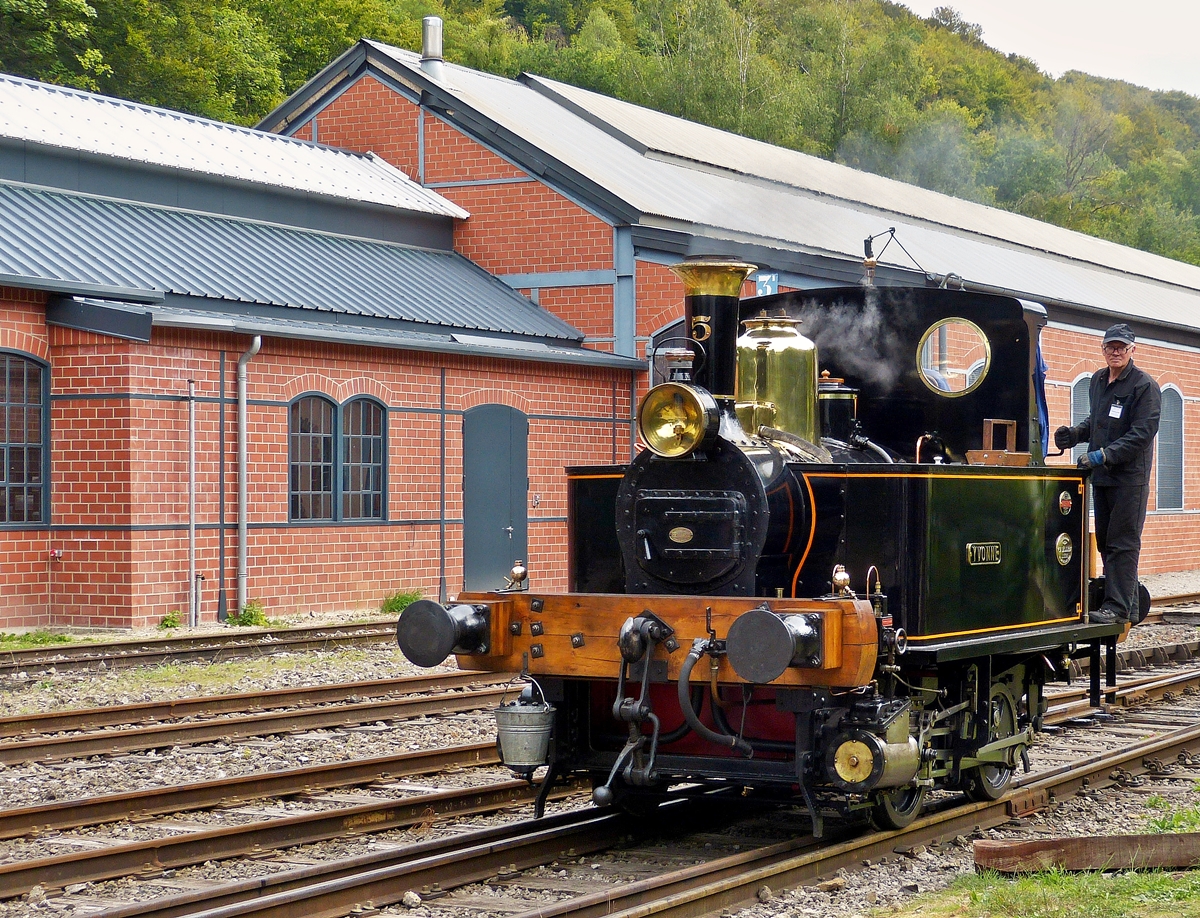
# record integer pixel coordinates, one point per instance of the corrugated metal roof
(48, 235)
(686, 177)
(70, 119)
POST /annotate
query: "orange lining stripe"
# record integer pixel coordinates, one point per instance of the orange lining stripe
(946, 634)
(812, 531)
(933, 475)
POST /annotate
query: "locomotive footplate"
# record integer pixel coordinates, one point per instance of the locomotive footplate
(1033, 639)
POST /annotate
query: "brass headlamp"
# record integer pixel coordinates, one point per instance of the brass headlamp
(676, 419)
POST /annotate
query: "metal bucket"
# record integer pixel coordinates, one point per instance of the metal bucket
(523, 729)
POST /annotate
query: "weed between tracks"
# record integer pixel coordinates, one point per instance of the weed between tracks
(33, 639)
(1170, 819)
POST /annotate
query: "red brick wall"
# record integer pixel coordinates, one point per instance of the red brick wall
(119, 469)
(659, 296)
(370, 117)
(25, 566)
(119, 472)
(514, 228)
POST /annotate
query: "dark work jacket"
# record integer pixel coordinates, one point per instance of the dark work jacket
(1127, 441)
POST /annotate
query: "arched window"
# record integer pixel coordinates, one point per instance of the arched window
(1170, 451)
(1081, 407)
(311, 457)
(337, 459)
(23, 429)
(364, 437)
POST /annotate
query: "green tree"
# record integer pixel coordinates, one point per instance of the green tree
(308, 34)
(50, 40)
(856, 66)
(197, 56)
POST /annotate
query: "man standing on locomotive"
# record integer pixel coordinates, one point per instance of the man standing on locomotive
(1119, 431)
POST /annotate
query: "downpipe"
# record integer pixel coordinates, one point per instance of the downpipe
(243, 462)
(193, 601)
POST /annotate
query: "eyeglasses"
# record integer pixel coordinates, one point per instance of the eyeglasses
(1116, 348)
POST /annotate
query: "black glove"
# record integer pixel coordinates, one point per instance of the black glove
(1064, 438)
(1092, 459)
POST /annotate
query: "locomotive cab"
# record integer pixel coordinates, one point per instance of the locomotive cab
(822, 575)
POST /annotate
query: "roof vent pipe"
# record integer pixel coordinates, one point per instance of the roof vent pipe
(431, 47)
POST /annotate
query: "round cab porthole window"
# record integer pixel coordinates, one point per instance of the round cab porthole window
(954, 357)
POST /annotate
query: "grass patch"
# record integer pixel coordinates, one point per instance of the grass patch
(33, 639)
(173, 619)
(1058, 894)
(179, 680)
(395, 603)
(1169, 820)
(252, 615)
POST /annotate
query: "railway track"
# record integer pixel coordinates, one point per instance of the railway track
(59, 747)
(98, 656)
(95, 656)
(310, 786)
(250, 702)
(511, 861)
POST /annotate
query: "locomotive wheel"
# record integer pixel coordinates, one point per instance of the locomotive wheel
(989, 782)
(898, 808)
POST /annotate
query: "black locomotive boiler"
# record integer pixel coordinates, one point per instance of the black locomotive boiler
(838, 570)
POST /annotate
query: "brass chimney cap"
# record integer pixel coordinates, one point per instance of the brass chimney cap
(708, 275)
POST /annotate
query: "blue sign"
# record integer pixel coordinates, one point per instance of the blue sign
(766, 284)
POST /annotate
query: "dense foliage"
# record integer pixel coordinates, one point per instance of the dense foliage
(863, 82)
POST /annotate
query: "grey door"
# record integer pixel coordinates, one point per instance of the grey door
(495, 484)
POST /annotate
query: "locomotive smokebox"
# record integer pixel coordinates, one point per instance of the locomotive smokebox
(428, 632)
(762, 645)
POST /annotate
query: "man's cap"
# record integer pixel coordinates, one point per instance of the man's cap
(1119, 332)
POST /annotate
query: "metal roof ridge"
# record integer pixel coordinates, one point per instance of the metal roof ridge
(541, 86)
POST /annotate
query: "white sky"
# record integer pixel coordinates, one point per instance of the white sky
(1152, 43)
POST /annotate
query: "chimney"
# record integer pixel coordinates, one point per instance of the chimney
(431, 47)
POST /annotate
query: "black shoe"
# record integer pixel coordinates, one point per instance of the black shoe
(1107, 616)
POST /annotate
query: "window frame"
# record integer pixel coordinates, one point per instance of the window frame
(1085, 381)
(1158, 470)
(343, 443)
(44, 484)
(339, 464)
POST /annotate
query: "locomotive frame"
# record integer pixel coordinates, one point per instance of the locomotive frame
(713, 633)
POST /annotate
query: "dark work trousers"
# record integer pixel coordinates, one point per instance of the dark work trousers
(1120, 514)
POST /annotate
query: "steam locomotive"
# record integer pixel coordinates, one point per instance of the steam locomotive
(839, 572)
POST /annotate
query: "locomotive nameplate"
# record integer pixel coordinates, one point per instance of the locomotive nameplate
(983, 553)
(681, 534)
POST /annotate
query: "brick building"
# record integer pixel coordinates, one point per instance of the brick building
(144, 256)
(580, 201)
